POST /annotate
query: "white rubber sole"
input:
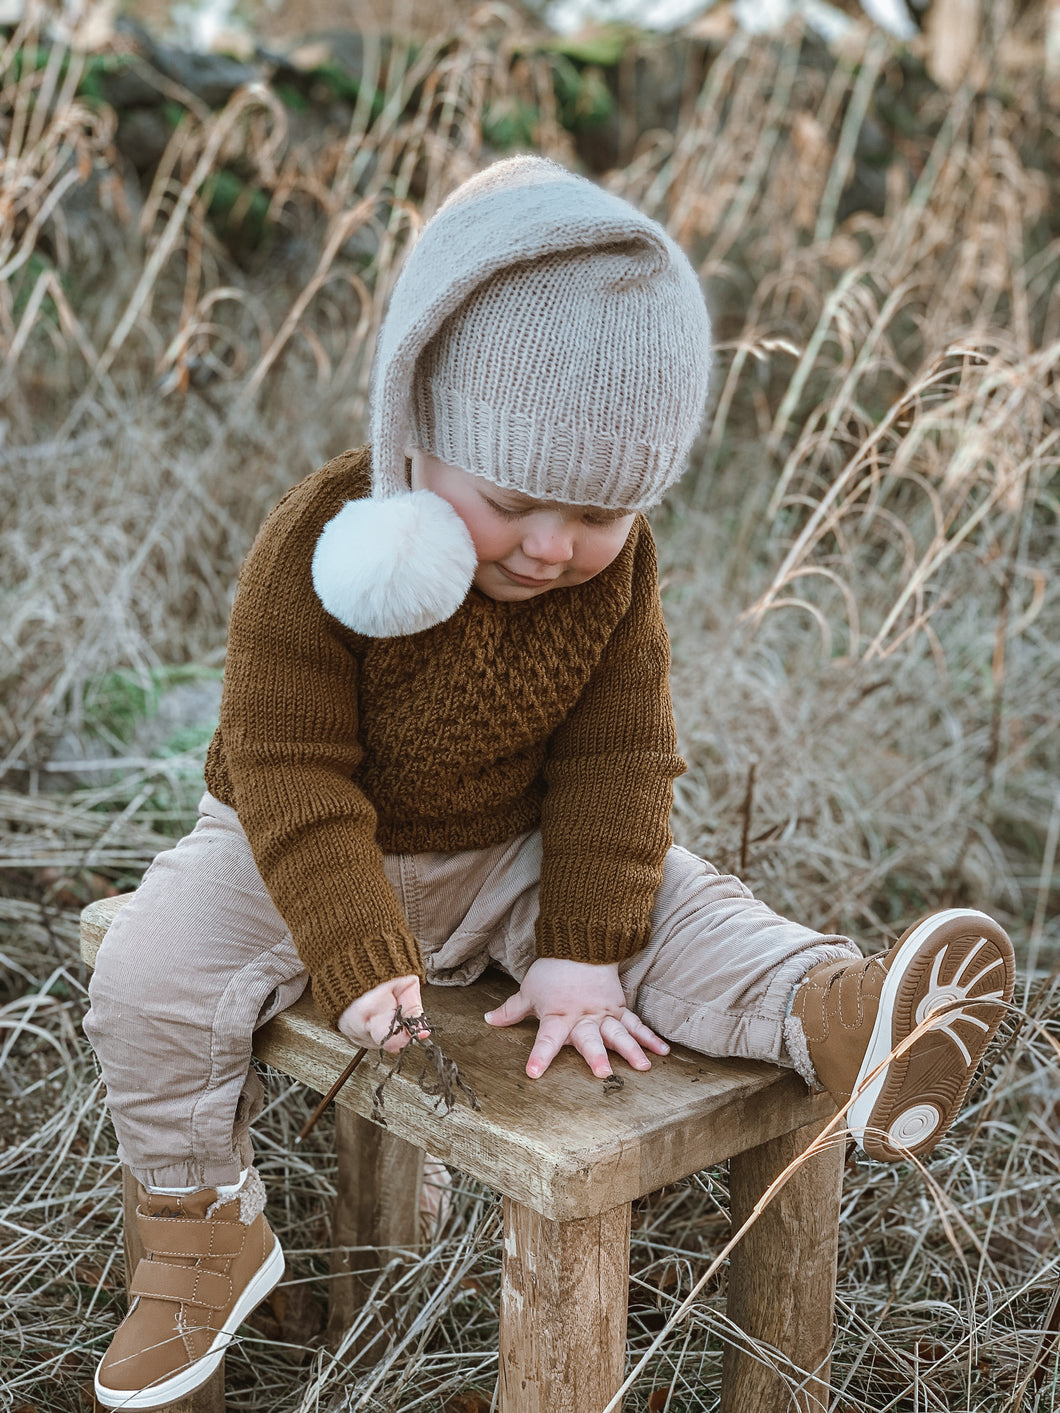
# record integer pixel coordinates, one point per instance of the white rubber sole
(918, 1126)
(195, 1375)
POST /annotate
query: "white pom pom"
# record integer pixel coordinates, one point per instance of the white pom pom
(389, 567)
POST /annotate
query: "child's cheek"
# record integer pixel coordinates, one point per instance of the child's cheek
(601, 551)
(492, 541)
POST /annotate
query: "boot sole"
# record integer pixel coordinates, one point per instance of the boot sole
(178, 1385)
(911, 1103)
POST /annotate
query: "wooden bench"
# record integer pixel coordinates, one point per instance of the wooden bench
(569, 1160)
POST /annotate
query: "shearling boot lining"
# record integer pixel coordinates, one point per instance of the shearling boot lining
(251, 1195)
(799, 1051)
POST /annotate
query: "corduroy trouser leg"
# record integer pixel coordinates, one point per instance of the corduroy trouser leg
(200, 957)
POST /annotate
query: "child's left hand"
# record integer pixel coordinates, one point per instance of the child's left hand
(581, 1005)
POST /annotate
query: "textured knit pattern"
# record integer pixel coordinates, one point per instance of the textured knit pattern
(334, 748)
(556, 338)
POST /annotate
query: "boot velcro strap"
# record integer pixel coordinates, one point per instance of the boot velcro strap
(179, 1236)
(188, 1284)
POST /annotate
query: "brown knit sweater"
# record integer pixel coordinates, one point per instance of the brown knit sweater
(334, 748)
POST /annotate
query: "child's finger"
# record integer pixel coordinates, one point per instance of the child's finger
(588, 1039)
(411, 1003)
(403, 995)
(552, 1034)
(395, 1044)
(616, 1036)
(510, 1012)
(379, 1027)
(644, 1034)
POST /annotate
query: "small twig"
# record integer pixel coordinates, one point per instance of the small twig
(439, 1077)
(411, 1024)
(343, 1077)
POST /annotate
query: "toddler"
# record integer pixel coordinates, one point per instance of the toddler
(446, 740)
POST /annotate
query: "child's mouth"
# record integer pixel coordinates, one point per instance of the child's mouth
(524, 580)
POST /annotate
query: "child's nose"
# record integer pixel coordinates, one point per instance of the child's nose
(551, 541)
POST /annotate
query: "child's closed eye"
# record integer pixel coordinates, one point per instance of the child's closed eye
(592, 515)
(507, 512)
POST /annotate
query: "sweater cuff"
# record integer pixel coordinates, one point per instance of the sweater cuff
(348, 975)
(582, 940)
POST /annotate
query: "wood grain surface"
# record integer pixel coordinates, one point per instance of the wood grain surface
(564, 1295)
(560, 1145)
(375, 1216)
(782, 1275)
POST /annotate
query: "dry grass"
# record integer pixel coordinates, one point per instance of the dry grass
(860, 581)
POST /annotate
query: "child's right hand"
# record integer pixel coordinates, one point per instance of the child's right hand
(368, 1019)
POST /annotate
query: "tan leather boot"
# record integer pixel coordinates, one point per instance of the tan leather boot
(958, 963)
(200, 1277)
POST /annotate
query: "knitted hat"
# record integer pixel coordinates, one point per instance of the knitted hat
(543, 334)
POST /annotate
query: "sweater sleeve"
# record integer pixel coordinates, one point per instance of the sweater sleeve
(609, 773)
(289, 725)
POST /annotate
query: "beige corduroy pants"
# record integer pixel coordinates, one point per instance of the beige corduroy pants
(200, 957)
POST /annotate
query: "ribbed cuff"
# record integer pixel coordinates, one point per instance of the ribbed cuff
(343, 978)
(583, 940)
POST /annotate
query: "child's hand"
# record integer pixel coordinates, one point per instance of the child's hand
(581, 1005)
(368, 1019)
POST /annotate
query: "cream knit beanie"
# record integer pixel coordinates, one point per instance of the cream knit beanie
(543, 334)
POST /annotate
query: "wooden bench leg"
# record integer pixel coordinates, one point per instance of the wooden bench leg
(564, 1293)
(210, 1398)
(376, 1205)
(782, 1274)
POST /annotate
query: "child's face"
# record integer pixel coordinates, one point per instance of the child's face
(525, 547)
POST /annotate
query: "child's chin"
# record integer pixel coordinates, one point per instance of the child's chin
(510, 593)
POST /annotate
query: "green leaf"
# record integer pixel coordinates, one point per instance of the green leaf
(602, 44)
